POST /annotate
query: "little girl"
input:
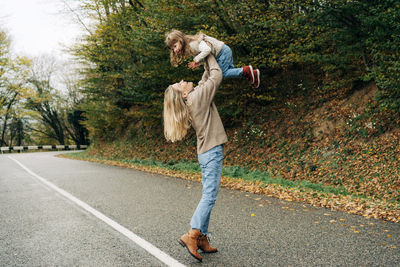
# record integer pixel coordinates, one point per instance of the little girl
(200, 46)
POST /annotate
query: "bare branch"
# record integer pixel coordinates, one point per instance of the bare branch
(77, 16)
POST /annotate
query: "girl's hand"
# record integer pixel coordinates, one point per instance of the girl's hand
(193, 65)
(201, 37)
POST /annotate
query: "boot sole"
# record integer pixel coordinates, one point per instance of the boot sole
(252, 74)
(184, 245)
(258, 79)
(209, 251)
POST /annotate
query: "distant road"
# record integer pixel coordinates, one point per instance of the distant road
(56, 211)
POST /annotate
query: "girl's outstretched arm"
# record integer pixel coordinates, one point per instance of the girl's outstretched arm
(205, 50)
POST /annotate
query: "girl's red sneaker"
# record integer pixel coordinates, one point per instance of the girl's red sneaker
(248, 73)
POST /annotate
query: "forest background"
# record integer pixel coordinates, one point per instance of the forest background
(323, 127)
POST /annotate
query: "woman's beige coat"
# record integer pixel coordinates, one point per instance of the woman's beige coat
(205, 118)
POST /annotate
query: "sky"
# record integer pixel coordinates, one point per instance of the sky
(38, 27)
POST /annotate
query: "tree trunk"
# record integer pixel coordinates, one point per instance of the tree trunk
(12, 101)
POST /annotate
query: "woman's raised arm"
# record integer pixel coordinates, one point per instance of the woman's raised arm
(211, 80)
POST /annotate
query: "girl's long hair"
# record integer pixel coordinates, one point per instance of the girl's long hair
(177, 36)
(176, 115)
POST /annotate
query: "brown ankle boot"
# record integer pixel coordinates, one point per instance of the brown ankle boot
(189, 240)
(204, 245)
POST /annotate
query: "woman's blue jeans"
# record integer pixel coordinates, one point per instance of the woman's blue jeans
(211, 170)
(225, 62)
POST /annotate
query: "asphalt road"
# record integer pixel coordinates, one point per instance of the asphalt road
(41, 227)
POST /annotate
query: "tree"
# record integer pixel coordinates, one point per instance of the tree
(74, 112)
(46, 100)
(13, 73)
(17, 131)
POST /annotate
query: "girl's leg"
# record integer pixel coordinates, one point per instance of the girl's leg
(225, 62)
(211, 169)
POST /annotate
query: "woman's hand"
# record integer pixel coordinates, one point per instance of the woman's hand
(193, 65)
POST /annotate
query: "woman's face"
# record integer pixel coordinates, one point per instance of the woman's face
(183, 87)
(177, 47)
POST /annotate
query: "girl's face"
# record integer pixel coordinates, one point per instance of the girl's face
(177, 48)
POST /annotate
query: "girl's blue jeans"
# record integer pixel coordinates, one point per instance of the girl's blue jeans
(211, 170)
(225, 62)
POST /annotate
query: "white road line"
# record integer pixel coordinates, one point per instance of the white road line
(162, 256)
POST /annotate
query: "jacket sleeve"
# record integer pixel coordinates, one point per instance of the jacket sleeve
(205, 50)
(204, 78)
(213, 79)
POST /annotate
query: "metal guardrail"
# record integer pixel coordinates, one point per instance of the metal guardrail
(45, 147)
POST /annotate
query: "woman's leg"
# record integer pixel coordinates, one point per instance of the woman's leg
(225, 62)
(211, 169)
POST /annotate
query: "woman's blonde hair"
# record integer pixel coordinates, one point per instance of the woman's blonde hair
(177, 36)
(176, 115)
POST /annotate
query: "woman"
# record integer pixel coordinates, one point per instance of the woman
(185, 106)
